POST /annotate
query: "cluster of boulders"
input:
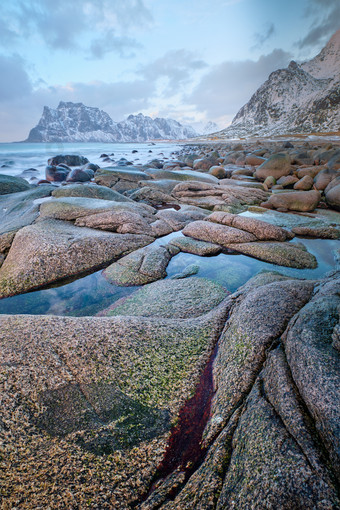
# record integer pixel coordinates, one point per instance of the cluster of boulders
(180, 396)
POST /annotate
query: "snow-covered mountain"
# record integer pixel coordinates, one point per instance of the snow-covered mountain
(301, 98)
(75, 122)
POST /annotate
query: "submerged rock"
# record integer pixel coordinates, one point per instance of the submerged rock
(173, 298)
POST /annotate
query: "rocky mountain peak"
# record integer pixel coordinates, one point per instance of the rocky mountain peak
(75, 122)
(300, 98)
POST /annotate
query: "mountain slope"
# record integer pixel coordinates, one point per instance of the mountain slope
(75, 122)
(300, 98)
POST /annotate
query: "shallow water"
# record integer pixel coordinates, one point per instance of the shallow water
(91, 294)
(15, 158)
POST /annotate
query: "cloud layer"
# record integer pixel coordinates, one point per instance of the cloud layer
(228, 86)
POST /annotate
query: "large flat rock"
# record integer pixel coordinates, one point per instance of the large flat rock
(189, 297)
(88, 403)
(52, 250)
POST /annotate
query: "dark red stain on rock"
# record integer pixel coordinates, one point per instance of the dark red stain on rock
(184, 449)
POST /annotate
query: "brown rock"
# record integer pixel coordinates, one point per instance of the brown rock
(295, 201)
(218, 234)
(304, 184)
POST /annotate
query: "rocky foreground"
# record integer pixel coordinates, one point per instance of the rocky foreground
(182, 395)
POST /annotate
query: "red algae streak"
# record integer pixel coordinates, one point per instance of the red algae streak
(184, 448)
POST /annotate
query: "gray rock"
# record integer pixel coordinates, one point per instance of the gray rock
(181, 175)
(68, 159)
(19, 209)
(9, 184)
(257, 319)
(315, 364)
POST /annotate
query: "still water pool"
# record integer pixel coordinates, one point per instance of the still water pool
(92, 293)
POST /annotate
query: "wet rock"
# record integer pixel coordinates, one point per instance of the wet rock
(278, 165)
(9, 184)
(143, 266)
(261, 230)
(201, 248)
(56, 173)
(173, 298)
(68, 159)
(312, 171)
(164, 185)
(71, 208)
(189, 270)
(123, 222)
(51, 250)
(80, 175)
(90, 403)
(282, 254)
(334, 162)
(295, 201)
(89, 191)
(217, 234)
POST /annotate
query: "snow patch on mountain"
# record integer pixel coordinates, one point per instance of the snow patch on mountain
(301, 98)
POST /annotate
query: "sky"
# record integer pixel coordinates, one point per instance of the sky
(191, 60)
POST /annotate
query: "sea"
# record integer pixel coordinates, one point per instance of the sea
(28, 160)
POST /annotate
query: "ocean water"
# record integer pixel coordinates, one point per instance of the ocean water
(17, 158)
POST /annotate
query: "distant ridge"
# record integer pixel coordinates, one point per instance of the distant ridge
(301, 98)
(75, 122)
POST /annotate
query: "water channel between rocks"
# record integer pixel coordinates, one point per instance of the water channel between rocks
(90, 294)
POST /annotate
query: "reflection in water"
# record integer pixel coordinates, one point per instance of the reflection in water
(92, 293)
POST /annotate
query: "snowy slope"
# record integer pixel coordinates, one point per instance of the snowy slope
(75, 122)
(300, 98)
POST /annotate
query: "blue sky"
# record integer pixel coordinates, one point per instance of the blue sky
(194, 61)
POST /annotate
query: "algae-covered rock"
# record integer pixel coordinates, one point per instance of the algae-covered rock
(51, 250)
(89, 403)
(182, 298)
(256, 321)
